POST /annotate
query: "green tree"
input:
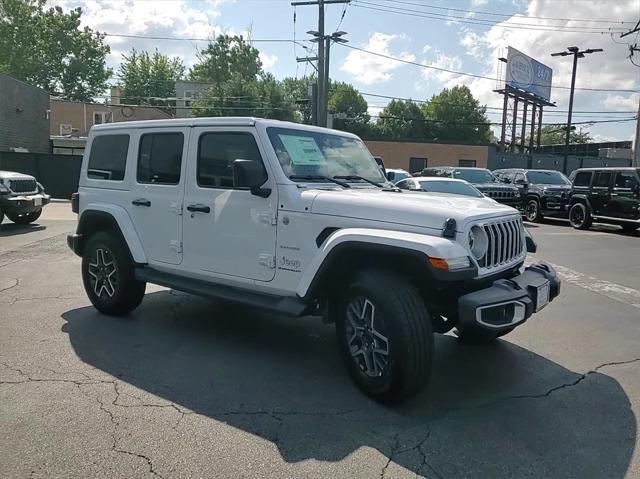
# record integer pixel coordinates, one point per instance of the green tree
(402, 120)
(345, 99)
(556, 135)
(458, 116)
(225, 57)
(144, 76)
(297, 91)
(47, 48)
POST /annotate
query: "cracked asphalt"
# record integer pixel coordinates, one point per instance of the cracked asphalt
(186, 387)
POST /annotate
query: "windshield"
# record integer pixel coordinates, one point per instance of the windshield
(474, 176)
(400, 175)
(547, 178)
(306, 153)
(453, 187)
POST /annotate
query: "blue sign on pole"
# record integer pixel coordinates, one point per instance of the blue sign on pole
(525, 73)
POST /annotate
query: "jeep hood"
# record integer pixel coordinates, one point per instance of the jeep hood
(12, 175)
(428, 210)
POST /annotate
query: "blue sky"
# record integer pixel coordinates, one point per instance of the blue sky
(452, 40)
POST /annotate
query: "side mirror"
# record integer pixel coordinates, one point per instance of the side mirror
(505, 180)
(522, 182)
(250, 174)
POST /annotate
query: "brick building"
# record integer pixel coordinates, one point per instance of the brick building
(414, 156)
(24, 122)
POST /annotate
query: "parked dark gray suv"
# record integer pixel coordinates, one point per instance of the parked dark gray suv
(605, 195)
(482, 179)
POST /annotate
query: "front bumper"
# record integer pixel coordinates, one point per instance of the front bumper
(509, 302)
(20, 204)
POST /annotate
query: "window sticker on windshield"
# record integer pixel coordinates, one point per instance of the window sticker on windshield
(303, 150)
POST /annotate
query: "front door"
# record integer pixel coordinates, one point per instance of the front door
(600, 193)
(155, 199)
(228, 231)
(625, 200)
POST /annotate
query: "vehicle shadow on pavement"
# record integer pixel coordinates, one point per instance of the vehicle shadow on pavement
(490, 411)
(13, 229)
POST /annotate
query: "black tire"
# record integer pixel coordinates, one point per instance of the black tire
(479, 336)
(580, 217)
(630, 228)
(399, 315)
(532, 211)
(25, 218)
(108, 275)
(1, 215)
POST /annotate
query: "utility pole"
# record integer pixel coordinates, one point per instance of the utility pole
(323, 64)
(636, 143)
(575, 51)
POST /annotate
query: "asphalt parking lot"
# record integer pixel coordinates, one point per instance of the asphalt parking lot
(190, 388)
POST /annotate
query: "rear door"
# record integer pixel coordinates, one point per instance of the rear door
(624, 196)
(156, 197)
(601, 193)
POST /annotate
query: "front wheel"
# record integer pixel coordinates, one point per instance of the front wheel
(108, 275)
(385, 336)
(25, 218)
(580, 217)
(532, 211)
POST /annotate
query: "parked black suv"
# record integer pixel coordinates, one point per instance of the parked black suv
(605, 195)
(544, 192)
(482, 179)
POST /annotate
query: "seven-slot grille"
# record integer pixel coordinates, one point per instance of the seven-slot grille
(499, 194)
(505, 243)
(23, 186)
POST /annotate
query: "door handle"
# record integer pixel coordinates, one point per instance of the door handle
(141, 202)
(199, 207)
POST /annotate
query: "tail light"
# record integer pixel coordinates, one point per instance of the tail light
(75, 202)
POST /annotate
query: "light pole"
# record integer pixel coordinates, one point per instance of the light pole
(575, 51)
(323, 74)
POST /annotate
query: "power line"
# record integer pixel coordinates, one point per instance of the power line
(184, 39)
(487, 23)
(462, 123)
(503, 15)
(488, 107)
(473, 75)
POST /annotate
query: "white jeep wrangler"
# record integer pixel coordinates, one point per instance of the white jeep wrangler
(299, 220)
(21, 197)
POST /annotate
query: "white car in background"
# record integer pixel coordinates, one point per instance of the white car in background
(395, 175)
(430, 184)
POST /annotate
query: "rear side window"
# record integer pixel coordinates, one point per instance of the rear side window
(625, 179)
(218, 151)
(160, 158)
(583, 178)
(602, 179)
(108, 157)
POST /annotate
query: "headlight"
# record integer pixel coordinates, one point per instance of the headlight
(478, 242)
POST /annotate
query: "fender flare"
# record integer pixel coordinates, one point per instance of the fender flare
(122, 220)
(579, 198)
(397, 241)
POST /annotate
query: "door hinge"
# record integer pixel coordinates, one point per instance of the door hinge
(176, 246)
(267, 260)
(176, 208)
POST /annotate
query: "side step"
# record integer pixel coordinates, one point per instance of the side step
(286, 305)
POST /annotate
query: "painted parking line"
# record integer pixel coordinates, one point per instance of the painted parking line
(614, 291)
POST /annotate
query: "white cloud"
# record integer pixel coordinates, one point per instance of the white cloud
(268, 61)
(617, 102)
(443, 61)
(369, 69)
(170, 18)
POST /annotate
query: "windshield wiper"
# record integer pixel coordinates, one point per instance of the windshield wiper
(362, 178)
(319, 177)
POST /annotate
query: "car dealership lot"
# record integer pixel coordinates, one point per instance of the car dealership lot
(190, 388)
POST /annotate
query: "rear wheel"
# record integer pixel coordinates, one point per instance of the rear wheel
(25, 218)
(532, 211)
(108, 275)
(580, 217)
(385, 336)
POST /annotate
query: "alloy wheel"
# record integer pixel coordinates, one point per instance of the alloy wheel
(103, 273)
(531, 212)
(366, 337)
(577, 216)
